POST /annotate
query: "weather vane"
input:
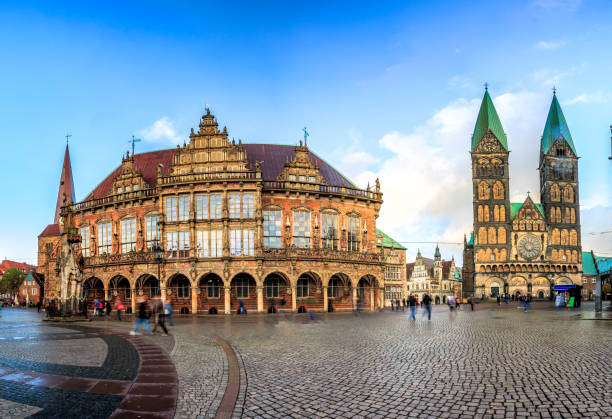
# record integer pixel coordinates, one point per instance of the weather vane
(306, 135)
(68, 136)
(486, 85)
(133, 141)
(554, 90)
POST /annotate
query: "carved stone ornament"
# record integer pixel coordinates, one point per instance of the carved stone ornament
(169, 292)
(530, 247)
(140, 293)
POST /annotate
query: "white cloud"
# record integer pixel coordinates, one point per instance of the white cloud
(161, 130)
(598, 97)
(549, 77)
(427, 183)
(596, 229)
(549, 45)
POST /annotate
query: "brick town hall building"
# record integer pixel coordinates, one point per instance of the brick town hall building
(523, 248)
(273, 226)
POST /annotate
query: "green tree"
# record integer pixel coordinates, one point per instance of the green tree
(11, 281)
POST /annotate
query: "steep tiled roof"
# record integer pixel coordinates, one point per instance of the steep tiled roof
(145, 164)
(8, 264)
(556, 128)
(388, 242)
(446, 268)
(488, 120)
(409, 269)
(516, 206)
(51, 230)
(272, 157)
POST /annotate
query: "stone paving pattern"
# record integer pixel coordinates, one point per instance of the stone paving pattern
(90, 352)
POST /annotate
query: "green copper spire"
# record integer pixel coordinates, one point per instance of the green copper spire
(437, 254)
(488, 120)
(556, 128)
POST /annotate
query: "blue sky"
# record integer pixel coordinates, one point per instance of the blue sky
(387, 90)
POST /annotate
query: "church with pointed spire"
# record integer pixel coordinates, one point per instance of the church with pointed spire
(523, 248)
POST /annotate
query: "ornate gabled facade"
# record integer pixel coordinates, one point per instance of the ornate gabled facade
(436, 277)
(272, 226)
(523, 248)
(394, 258)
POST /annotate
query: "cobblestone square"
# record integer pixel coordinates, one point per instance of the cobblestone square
(492, 362)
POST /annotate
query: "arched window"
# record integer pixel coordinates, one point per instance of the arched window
(481, 255)
(486, 213)
(564, 238)
(492, 235)
(573, 238)
(568, 194)
(502, 213)
(501, 235)
(553, 254)
(503, 254)
(498, 190)
(480, 213)
(552, 214)
(555, 236)
(182, 287)
(568, 216)
(488, 254)
(482, 235)
(573, 216)
(272, 286)
(496, 213)
(483, 190)
(302, 288)
(555, 193)
(574, 256)
(558, 217)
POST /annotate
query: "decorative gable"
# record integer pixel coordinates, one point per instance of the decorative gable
(129, 180)
(301, 172)
(489, 144)
(528, 218)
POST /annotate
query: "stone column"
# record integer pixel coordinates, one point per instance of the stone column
(354, 298)
(194, 300)
(293, 298)
(260, 299)
(372, 302)
(133, 298)
(228, 308)
(325, 300)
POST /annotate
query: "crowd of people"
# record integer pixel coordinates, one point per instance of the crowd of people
(413, 301)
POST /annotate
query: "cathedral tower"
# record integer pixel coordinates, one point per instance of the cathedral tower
(65, 194)
(559, 188)
(490, 179)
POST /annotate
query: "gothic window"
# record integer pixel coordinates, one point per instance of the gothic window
(171, 208)
(555, 193)
(183, 244)
(501, 235)
(568, 256)
(234, 205)
(486, 213)
(301, 229)
(488, 254)
(353, 234)
(105, 244)
(272, 229)
(492, 235)
(209, 243)
(555, 236)
(496, 213)
(502, 213)
(481, 255)
(567, 216)
(503, 254)
(564, 238)
(480, 213)
(152, 232)
(498, 190)
(183, 208)
(248, 205)
(482, 235)
(573, 216)
(573, 238)
(329, 231)
(302, 288)
(552, 214)
(172, 244)
(128, 235)
(553, 254)
(568, 194)
(84, 241)
(558, 217)
(574, 256)
(522, 225)
(483, 190)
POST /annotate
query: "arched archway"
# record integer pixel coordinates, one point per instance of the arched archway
(93, 289)
(178, 292)
(121, 291)
(275, 293)
(308, 292)
(437, 300)
(147, 285)
(517, 286)
(211, 298)
(366, 288)
(339, 292)
(243, 288)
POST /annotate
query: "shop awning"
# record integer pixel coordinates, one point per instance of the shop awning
(563, 288)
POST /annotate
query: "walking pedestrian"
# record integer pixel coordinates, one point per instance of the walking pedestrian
(168, 312)
(403, 304)
(38, 305)
(108, 308)
(392, 305)
(119, 307)
(471, 303)
(457, 303)
(397, 303)
(427, 304)
(142, 316)
(451, 302)
(412, 302)
(498, 301)
(159, 318)
(95, 307)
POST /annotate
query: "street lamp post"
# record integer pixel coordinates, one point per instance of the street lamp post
(158, 258)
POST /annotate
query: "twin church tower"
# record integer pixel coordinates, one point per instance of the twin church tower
(523, 248)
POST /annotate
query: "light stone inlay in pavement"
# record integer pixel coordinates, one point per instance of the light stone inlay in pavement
(86, 352)
(14, 410)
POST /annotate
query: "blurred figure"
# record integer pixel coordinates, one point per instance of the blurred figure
(412, 302)
(168, 312)
(119, 307)
(159, 317)
(427, 304)
(141, 317)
